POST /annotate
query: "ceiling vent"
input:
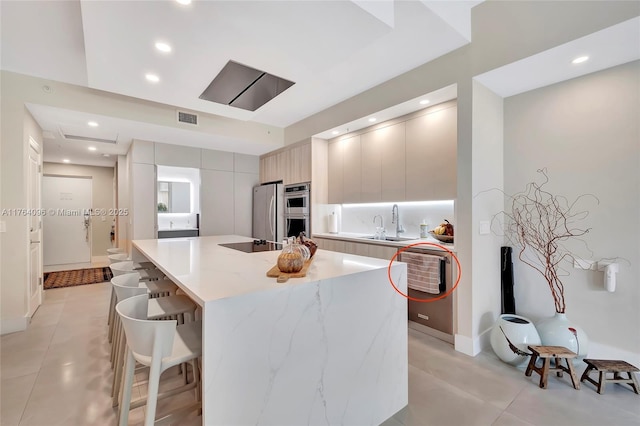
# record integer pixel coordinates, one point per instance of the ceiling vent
(244, 87)
(88, 139)
(188, 118)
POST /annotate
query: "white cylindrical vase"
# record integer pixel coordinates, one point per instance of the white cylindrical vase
(510, 336)
(559, 331)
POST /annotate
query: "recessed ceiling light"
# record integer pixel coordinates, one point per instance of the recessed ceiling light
(163, 47)
(92, 124)
(424, 101)
(372, 119)
(152, 78)
(580, 60)
(184, 2)
(66, 160)
(106, 155)
(92, 148)
(335, 132)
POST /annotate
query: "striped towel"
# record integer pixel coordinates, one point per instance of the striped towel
(425, 272)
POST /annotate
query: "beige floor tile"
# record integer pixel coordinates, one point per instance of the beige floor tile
(85, 349)
(48, 314)
(16, 363)
(391, 421)
(14, 394)
(55, 295)
(507, 419)
(30, 339)
(78, 327)
(435, 402)
(560, 404)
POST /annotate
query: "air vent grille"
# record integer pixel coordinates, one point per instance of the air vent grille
(186, 117)
(89, 139)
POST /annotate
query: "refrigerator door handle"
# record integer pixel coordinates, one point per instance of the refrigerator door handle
(273, 231)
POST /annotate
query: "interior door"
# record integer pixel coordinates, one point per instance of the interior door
(67, 225)
(34, 180)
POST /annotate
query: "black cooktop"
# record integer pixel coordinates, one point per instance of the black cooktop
(254, 246)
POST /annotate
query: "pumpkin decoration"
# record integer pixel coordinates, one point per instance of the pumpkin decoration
(292, 258)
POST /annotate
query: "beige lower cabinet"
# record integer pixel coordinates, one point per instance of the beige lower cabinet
(361, 249)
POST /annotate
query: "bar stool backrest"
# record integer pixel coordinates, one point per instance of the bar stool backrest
(120, 268)
(123, 292)
(119, 257)
(147, 338)
(131, 279)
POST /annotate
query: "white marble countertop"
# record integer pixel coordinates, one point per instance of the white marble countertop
(207, 271)
(362, 238)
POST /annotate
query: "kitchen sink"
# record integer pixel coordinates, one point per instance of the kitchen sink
(390, 238)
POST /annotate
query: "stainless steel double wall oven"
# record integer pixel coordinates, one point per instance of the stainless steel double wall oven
(297, 209)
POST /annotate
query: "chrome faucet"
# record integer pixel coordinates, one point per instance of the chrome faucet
(395, 218)
(381, 220)
(379, 231)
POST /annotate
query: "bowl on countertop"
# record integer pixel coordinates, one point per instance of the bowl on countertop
(442, 238)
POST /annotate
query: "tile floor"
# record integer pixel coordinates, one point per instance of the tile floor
(57, 373)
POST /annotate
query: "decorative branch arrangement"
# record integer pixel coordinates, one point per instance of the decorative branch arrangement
(539, 223)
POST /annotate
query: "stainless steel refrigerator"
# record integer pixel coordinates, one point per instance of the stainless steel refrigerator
(268, 212)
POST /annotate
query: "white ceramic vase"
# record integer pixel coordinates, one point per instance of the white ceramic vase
(510, 336)
(559, 331)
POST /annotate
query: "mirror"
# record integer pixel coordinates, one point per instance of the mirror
(174, 197)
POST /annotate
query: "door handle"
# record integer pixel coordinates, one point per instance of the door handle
(34, 242)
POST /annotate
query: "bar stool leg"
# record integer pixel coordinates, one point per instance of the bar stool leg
(127, 388)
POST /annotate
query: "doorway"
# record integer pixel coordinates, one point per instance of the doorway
(34, 181)
(67, 225)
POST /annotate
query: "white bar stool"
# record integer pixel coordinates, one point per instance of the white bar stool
(115, 250)
(127, 266)
(121, 257)
(159, 345)
(156, 288)
(180, 308)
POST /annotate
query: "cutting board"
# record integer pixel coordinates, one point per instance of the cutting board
(283, 277)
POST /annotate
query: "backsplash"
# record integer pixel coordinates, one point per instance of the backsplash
(358, 218)
(168, 221)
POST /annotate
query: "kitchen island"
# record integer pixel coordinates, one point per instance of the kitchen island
(329, 348)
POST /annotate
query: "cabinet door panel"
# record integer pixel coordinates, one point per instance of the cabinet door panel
(243, 184)
(381, 252)
(335, 178)
(351, 170)
(371, 150)
(431, 146)
(216, 203)
(392, 172)
(360, 249)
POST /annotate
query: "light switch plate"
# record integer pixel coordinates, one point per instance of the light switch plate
(3, 226)
(485, 227)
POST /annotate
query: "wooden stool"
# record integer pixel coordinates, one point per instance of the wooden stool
(604, 366)
(546, 353)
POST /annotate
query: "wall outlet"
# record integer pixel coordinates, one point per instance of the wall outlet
(584, 264)
(485, 227)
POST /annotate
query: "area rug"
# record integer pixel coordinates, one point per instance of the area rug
(76, 277)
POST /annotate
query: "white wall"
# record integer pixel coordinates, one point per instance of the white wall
(586, 132)
(13, 264)
(101, 198)
(487, 175)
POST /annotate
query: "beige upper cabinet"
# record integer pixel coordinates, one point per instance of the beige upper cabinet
(334, 178)
(383, 164)
(352, 170)
(413, 158)
(345, 177)
(431, 156)
(290, 165)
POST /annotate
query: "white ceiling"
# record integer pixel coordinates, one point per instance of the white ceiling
(333, 50)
